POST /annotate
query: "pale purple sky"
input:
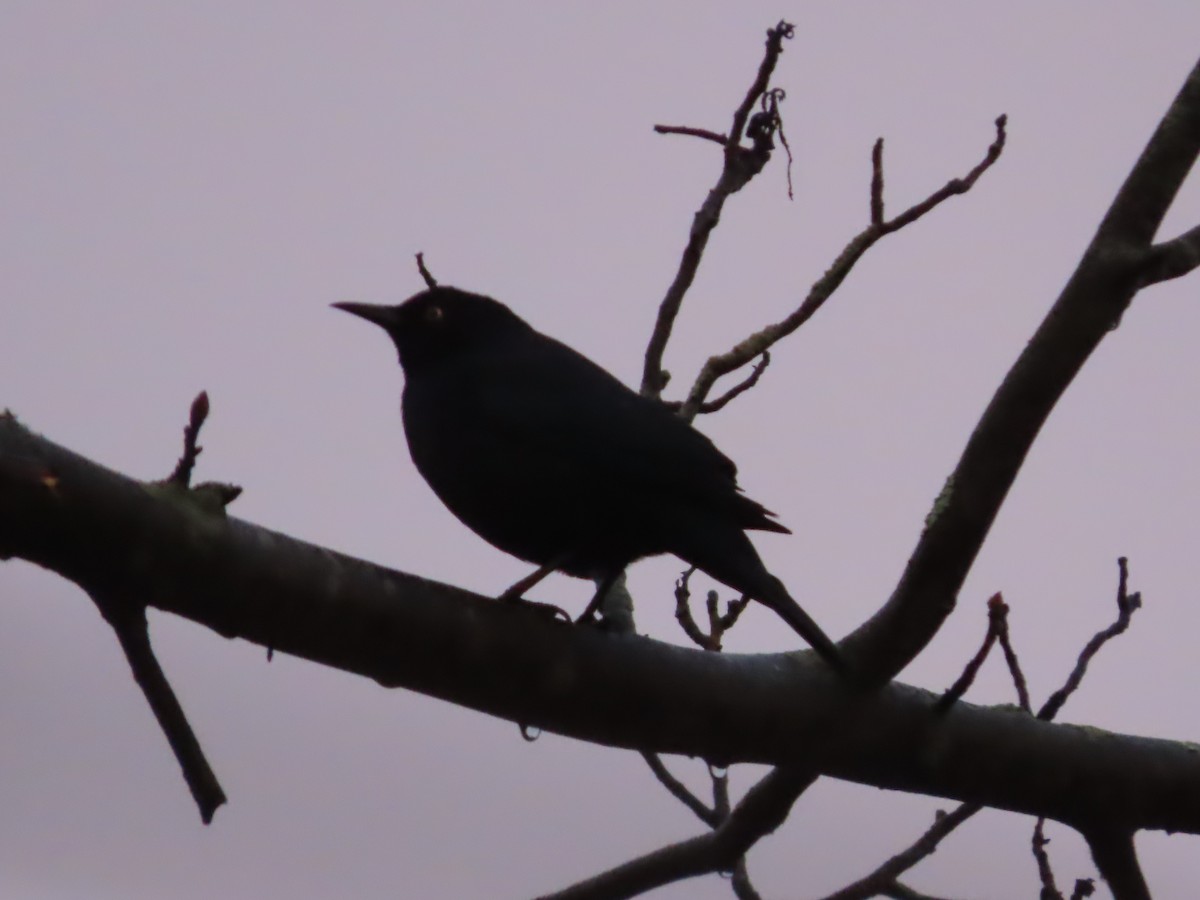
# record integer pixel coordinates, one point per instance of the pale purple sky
(187, 187)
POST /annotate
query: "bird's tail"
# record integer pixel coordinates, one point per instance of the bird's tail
(726, 553)
(778, 599)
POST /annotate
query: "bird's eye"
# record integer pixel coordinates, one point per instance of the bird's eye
(434, 314)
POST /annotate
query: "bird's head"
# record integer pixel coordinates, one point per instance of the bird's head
(437, 325)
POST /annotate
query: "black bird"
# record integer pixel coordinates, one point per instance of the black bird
(547, 456)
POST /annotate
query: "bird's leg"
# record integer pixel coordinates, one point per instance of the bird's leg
(602, 588)
(516, 593)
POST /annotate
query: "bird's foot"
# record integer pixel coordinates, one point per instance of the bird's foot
(546, 609)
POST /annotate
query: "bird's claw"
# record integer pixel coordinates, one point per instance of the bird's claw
(546, 609)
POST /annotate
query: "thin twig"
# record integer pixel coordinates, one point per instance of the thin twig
(1127, 605)
(712, 406)
(996, 613)
(680, 792)
(128, 621)
(877, 183)
(703, 133)
(1038, 843)
(723, 363)
(885, 875)
(764, 808)
(1014, 665)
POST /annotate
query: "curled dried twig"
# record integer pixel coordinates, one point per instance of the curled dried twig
(741, 164)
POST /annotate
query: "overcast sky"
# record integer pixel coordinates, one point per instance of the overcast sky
(187, 187)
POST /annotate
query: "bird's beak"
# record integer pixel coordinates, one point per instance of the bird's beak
(383, 316)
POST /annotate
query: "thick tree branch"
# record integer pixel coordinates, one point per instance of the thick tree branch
(94, 526)
(1089, 308)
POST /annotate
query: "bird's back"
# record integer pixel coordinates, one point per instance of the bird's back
(532, 445)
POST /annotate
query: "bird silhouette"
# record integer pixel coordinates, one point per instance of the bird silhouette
(548, 457)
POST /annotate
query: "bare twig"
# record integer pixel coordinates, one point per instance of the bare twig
(182, 475)
(877, 183)
(712, 406)
(713, 816)
(885, 876)
(997, 611)
(703, 133)
(430, 281)
(680, 792)
(741, 164)
(953, 186)
(1127, 605)
(128, 621)
(1014, 665)
(1038, 843)
(764, 808)
(724, 363)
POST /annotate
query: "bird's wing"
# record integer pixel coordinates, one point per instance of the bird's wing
(554, 403)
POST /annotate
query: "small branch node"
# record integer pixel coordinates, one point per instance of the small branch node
(182, 475)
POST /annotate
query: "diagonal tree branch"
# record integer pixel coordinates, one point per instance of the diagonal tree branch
(764, 808)
(1088, 309)
(128, 621)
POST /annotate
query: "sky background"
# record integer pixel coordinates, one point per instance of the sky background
(186, 188)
